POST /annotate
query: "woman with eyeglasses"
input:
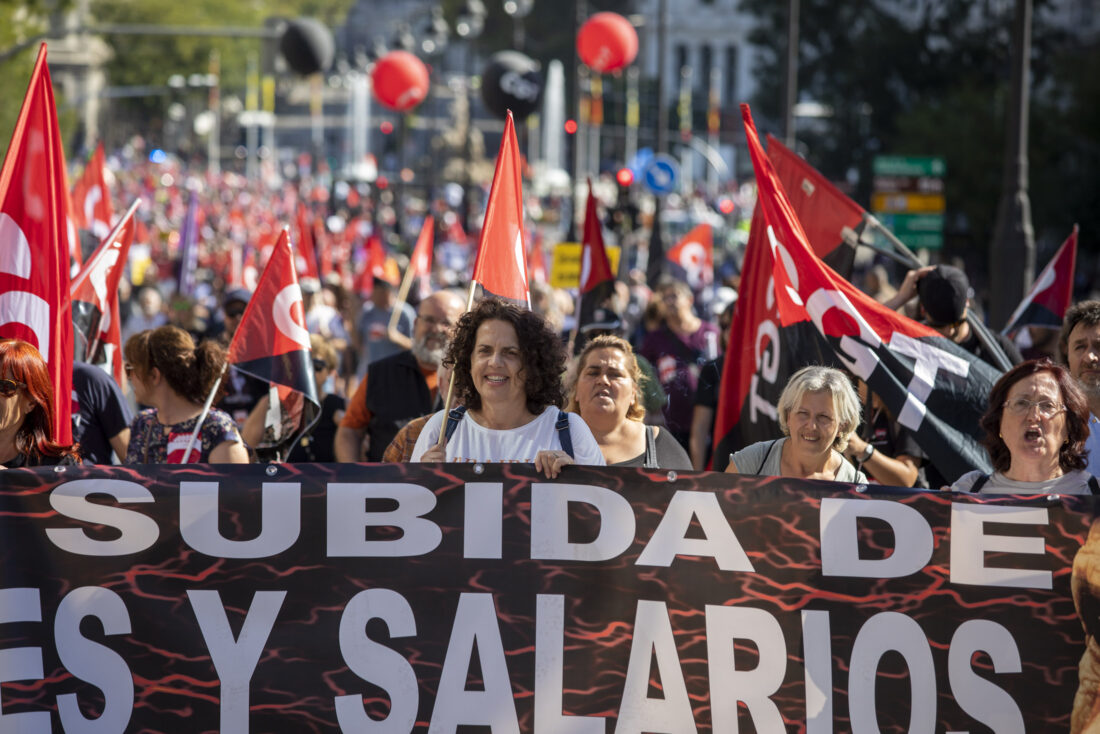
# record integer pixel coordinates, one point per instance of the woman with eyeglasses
(26, 410)
(1035, 432)
(173, 375)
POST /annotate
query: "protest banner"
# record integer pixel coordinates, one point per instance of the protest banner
(427, 597)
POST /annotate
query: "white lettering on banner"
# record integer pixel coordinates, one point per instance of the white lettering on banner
(92, 662)
(475, 623)
(929, 359)
(549, 673)
(484, 520)
(970, 544)
(839, 520)
(378, 664)
(137, 532)
(550, 522)
(858, 355)
(882, 633)
(347, 519)
(638, 712)
(987, 703)
(767, 366)
(21, 663)
(817, 658)
(729, 684)
(280, 520)
(670, 539)
(235, 659)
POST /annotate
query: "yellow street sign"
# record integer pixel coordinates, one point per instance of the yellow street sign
(908, 203)
(565, 270)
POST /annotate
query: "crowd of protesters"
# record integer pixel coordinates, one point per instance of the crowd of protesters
(643, 390)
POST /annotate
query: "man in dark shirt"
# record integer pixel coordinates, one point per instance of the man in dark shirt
(101, 417)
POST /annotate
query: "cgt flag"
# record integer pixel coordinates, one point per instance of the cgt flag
(501, 265)
(693, 257)
(1049, 298)
(34, 244)
(832, 222)
(95, 298)
(91, 197)
(272, 344)
(597, 282)
(931, 386)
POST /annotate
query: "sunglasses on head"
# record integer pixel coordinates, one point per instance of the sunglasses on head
(10, 387)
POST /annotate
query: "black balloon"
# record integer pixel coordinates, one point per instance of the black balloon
(511, 81)
(307, 46)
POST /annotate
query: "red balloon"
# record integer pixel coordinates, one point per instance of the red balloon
(400, 80)
(607, 42)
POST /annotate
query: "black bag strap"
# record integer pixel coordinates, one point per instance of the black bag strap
(452, 421)
(979, 483)
(765, 461)
(650, 460)
(564, 437)
(1094, 484)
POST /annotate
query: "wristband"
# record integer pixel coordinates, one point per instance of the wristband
(867, 453)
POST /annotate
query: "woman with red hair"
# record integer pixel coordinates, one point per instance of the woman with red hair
(26, 410)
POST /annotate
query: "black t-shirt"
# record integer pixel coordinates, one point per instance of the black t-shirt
(242, 392)
(100, 412)
(973, 345)
(317, 445)
(895, 440)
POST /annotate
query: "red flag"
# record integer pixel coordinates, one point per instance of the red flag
(306, 261)
(501, 265)
(536, 262)
(595, 267)
(94, 294)
(34, 248)
(272, 343)
(935, 389)
(694, 255)
(828, 217)
(1049, 298)
(420, 263)
(92, 208)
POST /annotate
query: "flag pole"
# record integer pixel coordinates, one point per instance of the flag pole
(912, 260)
(576, 326)
(402, 296)
(451, 383)
(205, 412)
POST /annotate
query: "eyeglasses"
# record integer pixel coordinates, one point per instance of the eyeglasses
(10, 387)
(1023, 406)
(319, 364)
(234, 313)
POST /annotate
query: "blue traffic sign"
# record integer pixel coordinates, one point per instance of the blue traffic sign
(662, 174)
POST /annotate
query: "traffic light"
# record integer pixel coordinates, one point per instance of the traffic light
(625, 177)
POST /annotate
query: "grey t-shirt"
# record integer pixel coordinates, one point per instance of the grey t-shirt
(751, 460)
(1074, 482)
(373, 325)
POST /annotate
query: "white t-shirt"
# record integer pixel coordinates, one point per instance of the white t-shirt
(473, 442)
(1074, 482)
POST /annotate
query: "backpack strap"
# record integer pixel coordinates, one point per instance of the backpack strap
(452, 421)
(765, 461)
(564, 437)
(650, 460)
(1094, 484)
(978, 484)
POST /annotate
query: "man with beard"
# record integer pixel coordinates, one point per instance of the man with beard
(400, 387)
(1079, 345)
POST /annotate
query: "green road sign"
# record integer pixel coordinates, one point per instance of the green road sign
(908, 165)
(915, 230)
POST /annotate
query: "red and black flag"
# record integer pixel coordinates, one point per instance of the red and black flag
(94, 293)
(597, 282)
(927, 382)
(832, 222)
(272, 344)
(1049, 298)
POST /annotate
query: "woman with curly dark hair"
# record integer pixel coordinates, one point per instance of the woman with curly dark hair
(26, 410)
(507, 376)
(1036, 428)
(170, 373)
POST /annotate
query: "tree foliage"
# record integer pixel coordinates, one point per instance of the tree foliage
(932, 78)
